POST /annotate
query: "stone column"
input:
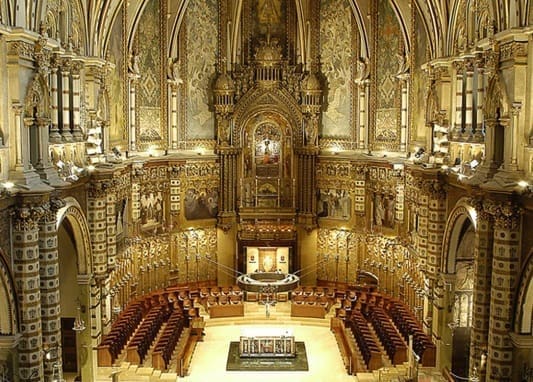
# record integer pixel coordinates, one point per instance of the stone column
(505, 271)
(436, 225)
(97, 226)
(515, 112)
(480, 101)
(468, 132)
(46, 170)
(55, 137)
(458, 120)
(111, 229)
(482, 282)
(76, 101)
(49, 277)
(19, 125)
(65, 89)
(25, 231)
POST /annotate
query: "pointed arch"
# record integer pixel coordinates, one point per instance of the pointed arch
(37, 102)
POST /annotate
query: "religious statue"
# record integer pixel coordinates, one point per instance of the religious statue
(133, 64)
(379, 210)
(311, 131)
(173, 71)
(363, 68)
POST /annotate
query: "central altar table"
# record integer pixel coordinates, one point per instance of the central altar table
(266, 342)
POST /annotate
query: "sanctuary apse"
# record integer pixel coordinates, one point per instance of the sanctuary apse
(152, 143)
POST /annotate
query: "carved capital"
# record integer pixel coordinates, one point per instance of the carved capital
(27, 218)
(506, 215)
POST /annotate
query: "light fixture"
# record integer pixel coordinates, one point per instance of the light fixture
(523, 184)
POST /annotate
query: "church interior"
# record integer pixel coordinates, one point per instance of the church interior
(172, 167)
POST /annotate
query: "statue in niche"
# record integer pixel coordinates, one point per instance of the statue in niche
(363, 69)
(133, 64)
(379, 210)
(268, 152)
(389, 206)
(311, 131)
(174, 71)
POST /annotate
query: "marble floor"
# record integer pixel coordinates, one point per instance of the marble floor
(325, 364)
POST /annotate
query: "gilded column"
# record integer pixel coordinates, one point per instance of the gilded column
(482, 285)
(132, 99)
(404, 112)
(25, 231)
(49, 278)
(505, 271)
(65, 90)
(174, 116)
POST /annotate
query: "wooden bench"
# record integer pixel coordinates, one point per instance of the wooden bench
(185, 356)
(229, 310)
(304, 310)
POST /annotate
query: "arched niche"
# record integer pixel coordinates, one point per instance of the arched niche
(75, 276)
(458, 274)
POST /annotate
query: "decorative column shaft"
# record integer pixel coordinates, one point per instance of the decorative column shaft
(228, 185)
(49, 278)
(458, 121)
(174, 117)
(482, 281)
(65, 88)
(19, 125)
(111, 228)
(480, 102)
(404, 114)
(505, 271)
(55, 137)
(76, 101)
(363, 116)
(26, 273)
(469, 100)
(97, 226)
(132, 129)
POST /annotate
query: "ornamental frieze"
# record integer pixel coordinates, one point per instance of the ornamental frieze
(21, 49)
(334, 169)
(513, 50)
(201, 169)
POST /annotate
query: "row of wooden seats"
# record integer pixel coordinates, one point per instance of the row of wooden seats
(309, 291)
(167, 342)
(387, 333)
(408, 325)
(121, 330)
(365, 340)
(145, 334)
(220, 291)
(346, 347)
(313, 300)
(222, 300)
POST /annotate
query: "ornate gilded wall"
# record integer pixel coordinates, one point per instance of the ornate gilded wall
(148, 46)
(337, 56)
(386, 132)
(201, 48)
(117, 80)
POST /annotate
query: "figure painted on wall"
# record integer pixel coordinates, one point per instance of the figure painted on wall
(152, 209)
(389, 205)
(201, 204)
(334, 204)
